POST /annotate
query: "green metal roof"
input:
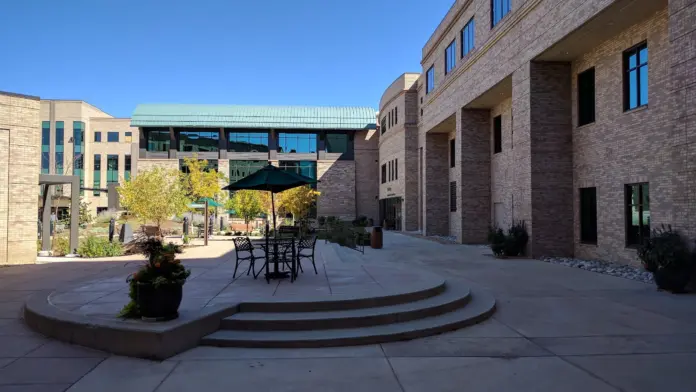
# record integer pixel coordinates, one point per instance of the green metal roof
(237, 116)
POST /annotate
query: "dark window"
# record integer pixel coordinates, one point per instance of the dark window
(391, 118)
(60, 146)
(497, 134)
(97, 137)
(45, 146)
(112, 137)
(636, 76)
(241, 169)
(637, 213)
(384, 173)
(430, 80)
(451, 152)
(339, 143)
(396, 115)
(127, 168)
(396, 169)
(198, 140)
(453, 196)
(158, 140)
(499, 8)
(112, 169)
(588, 215)
(78, 146)
(383, 125)
(247, 141)
(586, 97)
(97, 174)
(305, 168)
(450, 57)
(468, 37)
(302, 143)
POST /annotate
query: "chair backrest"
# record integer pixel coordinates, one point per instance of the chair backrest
(242, 244)
(307, 242)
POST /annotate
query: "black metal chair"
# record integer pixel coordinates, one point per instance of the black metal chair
(244, 250)
(305, 250)
(284, 249)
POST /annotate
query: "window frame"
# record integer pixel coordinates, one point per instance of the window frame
(643, 231)
(97, 137)
(588, 118)
(497, 134)
(111, 158)
(505, 8)
(248, 137)
(588, 227)
(452, 152)
(283, 138)
(109, 135)
(396, 115)
(384, 173)
(451, 56)
(469, 29)
(96, 178)
(627, 69)
(201, 134)
(430, 84)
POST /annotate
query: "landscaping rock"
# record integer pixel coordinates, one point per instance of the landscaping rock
(602, 267)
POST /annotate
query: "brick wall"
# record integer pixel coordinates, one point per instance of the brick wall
(435, 184)
(147, 164)
(367, 174)
(502, 166)
(473, 157)
(337, 187)
(20, 151)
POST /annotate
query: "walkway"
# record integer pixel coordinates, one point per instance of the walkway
(556, 329)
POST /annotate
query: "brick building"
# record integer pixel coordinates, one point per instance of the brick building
(578, 117)
(19, 177)
(336, 145)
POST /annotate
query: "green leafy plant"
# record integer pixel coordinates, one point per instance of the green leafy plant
(321, 220)
(94, 246)
(511, 244)
(496, 239)
(161, 268)
(186, 240)
(360, 221)
(668, 256)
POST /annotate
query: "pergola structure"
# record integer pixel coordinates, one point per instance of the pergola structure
(48, 181)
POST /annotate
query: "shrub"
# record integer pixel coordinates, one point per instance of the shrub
(511, 244)
(667, 255)
(61, 246)
(186, 240)
(331, 220)
(360, 221)
(94, 246)
(321, 220)
(496, 239)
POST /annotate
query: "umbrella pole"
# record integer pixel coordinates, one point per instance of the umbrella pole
(205, 238)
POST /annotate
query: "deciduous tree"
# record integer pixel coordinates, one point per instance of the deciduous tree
(246, 205)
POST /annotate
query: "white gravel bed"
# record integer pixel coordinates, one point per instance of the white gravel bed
(602, 267)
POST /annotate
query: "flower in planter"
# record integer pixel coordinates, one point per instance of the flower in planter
(156, 288)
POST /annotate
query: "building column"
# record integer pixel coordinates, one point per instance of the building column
(410, 204)
(473, 161)
(172, 144)
(435, 184)
(543, 151)
(682, 35)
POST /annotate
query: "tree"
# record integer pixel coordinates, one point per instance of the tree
(154, 196)
(298, 201)
(200, 182)
(247, 205)
(85, 216)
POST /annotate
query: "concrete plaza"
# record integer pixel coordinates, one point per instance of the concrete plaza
(556, 329)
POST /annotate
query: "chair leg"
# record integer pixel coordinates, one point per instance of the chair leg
(236, 265)
(314, 265)
(251, 266)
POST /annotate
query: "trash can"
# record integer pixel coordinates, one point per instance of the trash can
(376, 237)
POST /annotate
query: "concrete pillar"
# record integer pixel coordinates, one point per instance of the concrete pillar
(74, 214)
(436, 184)
(46, 218)
(172, 144)
(543, 150)
(682, 35)
(473, 163)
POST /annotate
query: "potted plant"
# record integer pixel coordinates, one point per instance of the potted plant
(667, 255)
(156, 288)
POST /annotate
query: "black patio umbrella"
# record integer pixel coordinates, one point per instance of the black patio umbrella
(271, 179)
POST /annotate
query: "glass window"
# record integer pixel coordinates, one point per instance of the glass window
(637, 213)
(305, 168)
(158, 139)
(586, 97)
(247, 141)
(198, 140)
(497, 134)
(97, 137)
(383, 125)
(60, 146)
(396, 115)
(241, 169)
(636, 77)
(112, 137)
(127, 169)
(97, 174)
(129, 137)
(450, 57)
(430, 80)
(396, 169)
(499, 8)
(453, 196)
(588, 215)
(112, 169)
(303, 143)
(452, 152)
(45, 146)
(468, 37)
(78, 146)
(339, 143)
(384, 173)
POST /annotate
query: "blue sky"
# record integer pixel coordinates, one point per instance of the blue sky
(118, 53)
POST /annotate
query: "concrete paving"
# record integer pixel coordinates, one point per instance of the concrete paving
(556, 329)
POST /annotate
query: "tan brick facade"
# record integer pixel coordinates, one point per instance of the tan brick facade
(525, 70)
(20, 146)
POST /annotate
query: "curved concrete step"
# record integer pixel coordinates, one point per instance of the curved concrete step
(479, 308)
(434, 286)
(449, 300)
